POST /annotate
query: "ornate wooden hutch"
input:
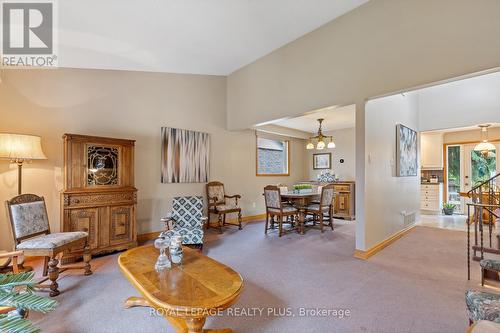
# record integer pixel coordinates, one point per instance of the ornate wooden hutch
(99, 194)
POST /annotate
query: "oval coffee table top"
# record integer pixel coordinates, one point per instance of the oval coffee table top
(200, 283)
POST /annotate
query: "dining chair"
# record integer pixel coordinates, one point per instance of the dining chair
(324, 208)
(219, 205)
(31, 231)
(276, 208)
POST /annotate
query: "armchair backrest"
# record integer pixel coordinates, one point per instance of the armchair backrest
(215, 190)
(187, 211)
(327, 194)
(28, 216)
(272, 196)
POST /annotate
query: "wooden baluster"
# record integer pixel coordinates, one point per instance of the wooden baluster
(468, 242)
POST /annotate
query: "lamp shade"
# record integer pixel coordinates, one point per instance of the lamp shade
(19, 147)
(484, 146)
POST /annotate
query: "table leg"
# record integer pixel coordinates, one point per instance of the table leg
(135, 301)
(195, 325)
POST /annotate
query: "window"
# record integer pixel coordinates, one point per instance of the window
(272, 157)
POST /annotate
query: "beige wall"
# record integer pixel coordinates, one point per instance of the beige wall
(130, 105)
(388, 197)
(470, 136)
(380, 47)
(345, 141)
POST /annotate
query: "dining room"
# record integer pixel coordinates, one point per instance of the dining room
(325, 191)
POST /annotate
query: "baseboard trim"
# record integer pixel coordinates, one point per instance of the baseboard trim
(360, 254)
(154, 234)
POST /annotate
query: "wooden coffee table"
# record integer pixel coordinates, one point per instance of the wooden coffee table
(185, 295)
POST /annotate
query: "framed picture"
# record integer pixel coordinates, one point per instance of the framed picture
(184, 156)
(322, 161)
(406, 151)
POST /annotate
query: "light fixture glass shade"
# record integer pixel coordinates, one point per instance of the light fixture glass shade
(331, 144)
(16, 147)
(320, 145)
(310, 146)
(484, 146)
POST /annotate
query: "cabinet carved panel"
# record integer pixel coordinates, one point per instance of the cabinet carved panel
(344, 200)
(120, 223)
(85, 220)
(99, 194)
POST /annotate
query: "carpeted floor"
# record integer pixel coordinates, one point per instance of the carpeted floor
(415, 285)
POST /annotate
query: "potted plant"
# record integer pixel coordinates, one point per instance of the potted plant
(302, 188)
(448, 208)
(16, 299)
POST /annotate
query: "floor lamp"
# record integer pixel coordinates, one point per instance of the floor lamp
(19, 149)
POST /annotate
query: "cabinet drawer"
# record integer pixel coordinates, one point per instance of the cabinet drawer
(342, 188)
(102, 199)
(429, 206)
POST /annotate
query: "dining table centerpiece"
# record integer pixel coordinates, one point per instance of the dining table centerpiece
(302, 188)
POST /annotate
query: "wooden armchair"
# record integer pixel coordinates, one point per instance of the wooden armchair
(31, 232)
(217, 204)
(276, 208)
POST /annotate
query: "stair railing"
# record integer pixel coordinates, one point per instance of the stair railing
(482, 203)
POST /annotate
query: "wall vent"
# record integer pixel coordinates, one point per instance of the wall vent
(409, 218)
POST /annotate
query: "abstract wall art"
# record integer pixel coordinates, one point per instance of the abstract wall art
(406, 151)
(184, 156)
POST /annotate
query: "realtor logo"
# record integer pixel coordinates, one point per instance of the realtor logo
(28, 33)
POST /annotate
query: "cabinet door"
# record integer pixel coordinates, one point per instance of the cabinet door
(342, 204)
(121, 224)
(85, 219)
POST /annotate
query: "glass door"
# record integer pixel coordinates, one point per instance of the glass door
(480, 168)
(454, 176)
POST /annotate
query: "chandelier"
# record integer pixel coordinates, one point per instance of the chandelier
(320, 139)
(485, 147)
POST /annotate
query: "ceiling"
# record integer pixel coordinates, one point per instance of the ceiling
(335, 118)
(184, 36)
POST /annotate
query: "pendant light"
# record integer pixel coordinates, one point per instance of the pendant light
(484, 146)
(320, 139)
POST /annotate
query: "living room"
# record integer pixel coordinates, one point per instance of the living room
(122, 125)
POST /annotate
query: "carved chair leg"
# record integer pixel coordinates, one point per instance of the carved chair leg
(267, 223)
(53, 275)
(239, 220)
(224, 220)
(87, 256)
(220, 223)
(321, 221)
(280, 225)
(45, 266)
(208, 220)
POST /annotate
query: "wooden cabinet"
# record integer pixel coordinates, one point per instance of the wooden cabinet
(431, 197)
(99, 194)
(431, 152)
(344, 204)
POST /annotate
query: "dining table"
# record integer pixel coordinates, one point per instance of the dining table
(300, 201)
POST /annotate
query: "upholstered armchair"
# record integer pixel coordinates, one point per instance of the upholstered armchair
(186, 220)
(31, 232)
(219, 205)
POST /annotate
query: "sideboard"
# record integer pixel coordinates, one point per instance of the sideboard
(345, 198)
(99, 194)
